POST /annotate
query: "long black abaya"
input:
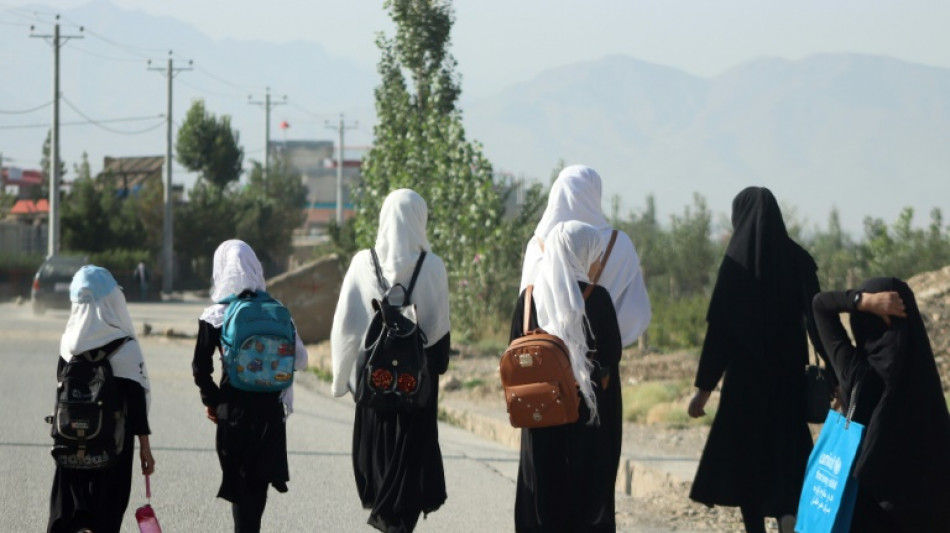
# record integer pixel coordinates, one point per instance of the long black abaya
(567, 474)
(903, 464)
(251, 435)
(759, 442)
(397, 460)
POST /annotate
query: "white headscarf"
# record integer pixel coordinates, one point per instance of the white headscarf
(235, 270)
(400, 239)
(570, 249)
(99, 316)
(576, 195)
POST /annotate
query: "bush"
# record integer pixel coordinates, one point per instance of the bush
(639, 399)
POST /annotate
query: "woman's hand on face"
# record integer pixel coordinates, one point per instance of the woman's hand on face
(883, 304)
(698, 404)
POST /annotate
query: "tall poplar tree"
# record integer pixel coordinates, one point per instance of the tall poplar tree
(420, 144)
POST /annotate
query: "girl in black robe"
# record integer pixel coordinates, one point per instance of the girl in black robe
(567, 474)
(903, 464)
(397, 461)
(759, 442)
(99, 320)
(251, 435)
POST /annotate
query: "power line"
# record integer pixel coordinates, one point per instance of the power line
(99, 123)
(100, 56)
(87, 123)
(21, 24)
(226, 82)
(130, 48)
(31, 16)
(25, 111)
(210, 93)
(321, 116)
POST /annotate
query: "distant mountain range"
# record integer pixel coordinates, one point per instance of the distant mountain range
(868, 134)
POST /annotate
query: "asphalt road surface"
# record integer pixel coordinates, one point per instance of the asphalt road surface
(479, 474)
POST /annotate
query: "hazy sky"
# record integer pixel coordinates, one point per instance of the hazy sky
(497, 42)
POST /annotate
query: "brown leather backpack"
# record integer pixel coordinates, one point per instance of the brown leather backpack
(536, 373)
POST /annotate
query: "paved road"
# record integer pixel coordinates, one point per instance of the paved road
(322, 497)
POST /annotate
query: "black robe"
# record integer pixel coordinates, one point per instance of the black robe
(567, 474)
(251, 436)
(903, 465)
(98, 499)
(397, 461)
(759, 442)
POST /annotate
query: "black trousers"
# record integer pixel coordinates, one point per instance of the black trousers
(249, 507)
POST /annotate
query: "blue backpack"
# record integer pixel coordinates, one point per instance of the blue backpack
(258, 342)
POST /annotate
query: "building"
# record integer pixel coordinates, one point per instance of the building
(317, 164)
(21, 183)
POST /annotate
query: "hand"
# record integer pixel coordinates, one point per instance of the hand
(145, 456)
(882, 304)
(836, 402)
(212, 413)
(698, 403)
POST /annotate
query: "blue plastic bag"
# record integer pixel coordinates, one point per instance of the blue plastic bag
(829, 491)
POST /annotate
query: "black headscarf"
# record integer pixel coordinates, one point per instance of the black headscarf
(759, 282)
(904, 462)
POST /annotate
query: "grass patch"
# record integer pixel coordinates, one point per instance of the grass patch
(663, 402)
(472, 383)
(639, 399)
(674, 414)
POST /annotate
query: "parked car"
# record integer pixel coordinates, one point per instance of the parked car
(51, 283)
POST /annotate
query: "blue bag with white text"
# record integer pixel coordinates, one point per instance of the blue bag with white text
(830, 490)
(259, 342)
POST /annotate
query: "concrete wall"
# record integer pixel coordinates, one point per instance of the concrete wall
(310, 292)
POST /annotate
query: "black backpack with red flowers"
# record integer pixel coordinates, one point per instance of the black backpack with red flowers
(393, 373)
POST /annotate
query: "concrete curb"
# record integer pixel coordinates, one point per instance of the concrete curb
(636, 476)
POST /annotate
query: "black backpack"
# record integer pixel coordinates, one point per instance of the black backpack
(394, 374)
(87, 412)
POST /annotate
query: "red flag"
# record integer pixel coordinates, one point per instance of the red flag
(284, 125)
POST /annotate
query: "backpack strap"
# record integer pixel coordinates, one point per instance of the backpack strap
(527, 307)
(415, 275)
(599, 267)
(384, 285)
(105, 351)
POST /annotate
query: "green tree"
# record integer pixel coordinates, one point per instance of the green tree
(206, 144)
(836, 255)
(270, 210)
(420, 144)
(99, 217)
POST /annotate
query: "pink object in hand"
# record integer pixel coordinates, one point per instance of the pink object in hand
(145, 515)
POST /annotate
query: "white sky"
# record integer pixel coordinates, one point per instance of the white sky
(498, 42)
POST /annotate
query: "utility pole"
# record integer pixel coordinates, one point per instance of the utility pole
(267, 105)
(168, 254)
(341, 127)
(57, 40)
